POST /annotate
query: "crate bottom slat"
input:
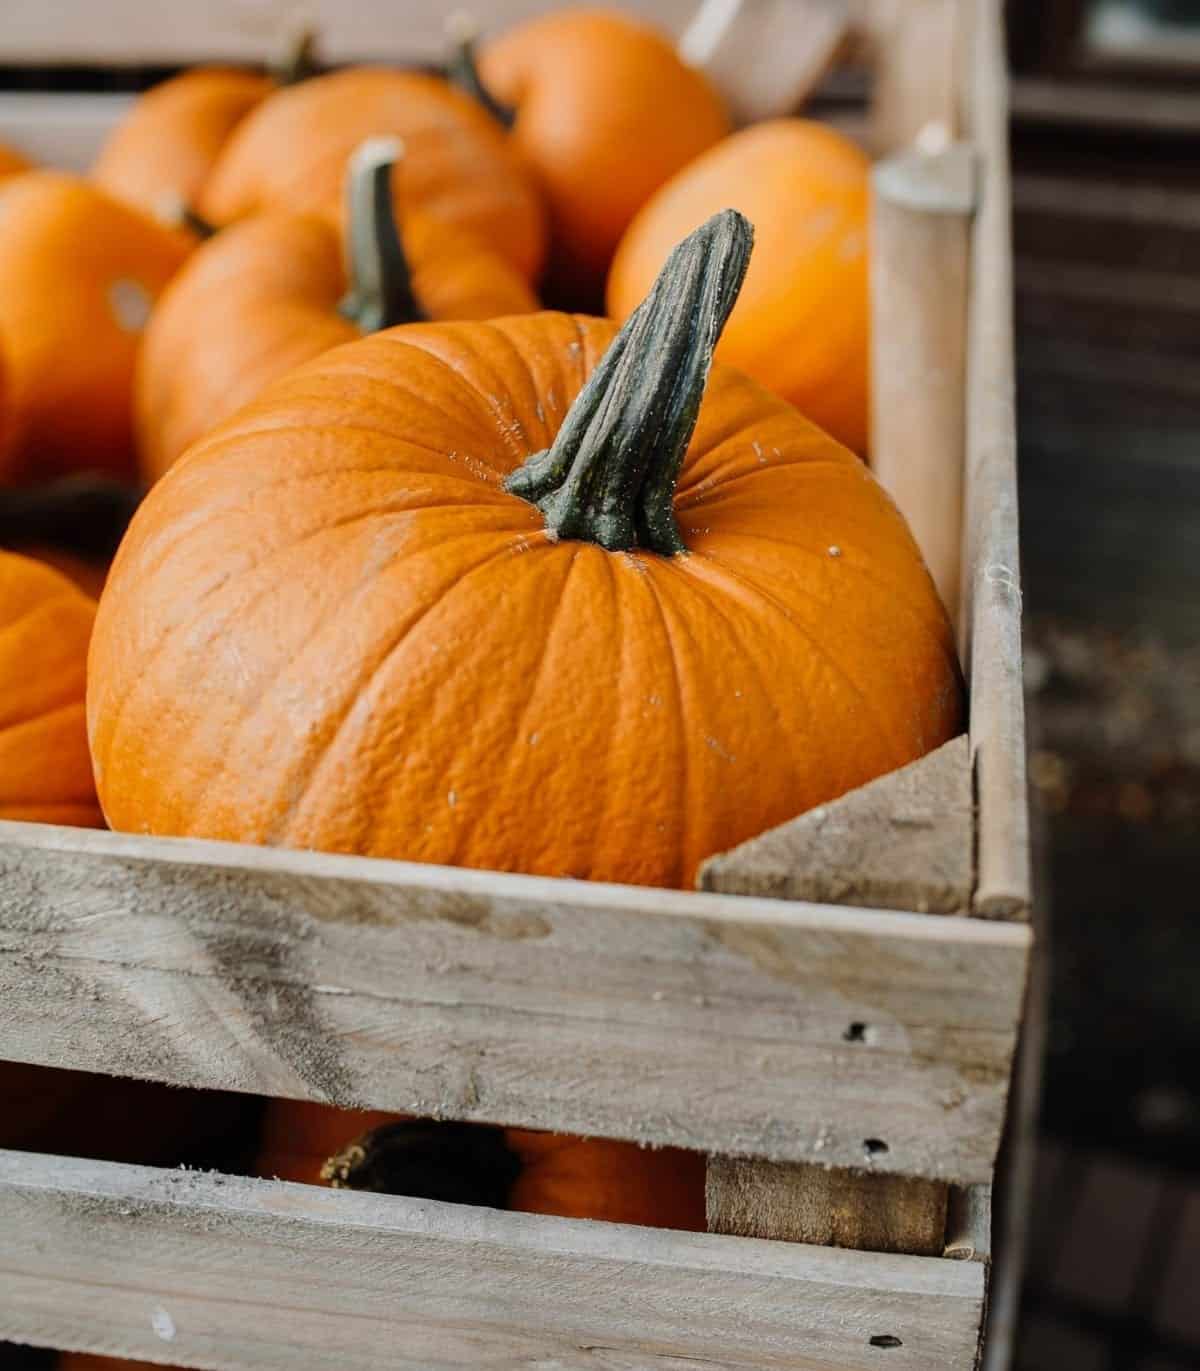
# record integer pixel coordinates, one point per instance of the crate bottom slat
(231, 1274)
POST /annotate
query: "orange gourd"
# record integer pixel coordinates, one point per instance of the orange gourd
(605, 111)
(801, 325)
(167, 145)
(265, 295)
(515, 1168)
(45, 624)
(478, 594)
(79, 274)
(12, 162)
(291, 152)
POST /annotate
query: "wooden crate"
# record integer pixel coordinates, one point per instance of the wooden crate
(847, 1069)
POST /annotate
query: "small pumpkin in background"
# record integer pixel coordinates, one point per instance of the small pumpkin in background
(567, 619)
(79, 275)
(265, 295)
(801, 324)
(12, 162)
(45, 625)
(604, 111)
(290, 154)
(514, 1168)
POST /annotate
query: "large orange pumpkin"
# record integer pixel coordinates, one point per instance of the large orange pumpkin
(265, 295)
(801, 325)
(45, 623)
(605, 111)
(79, 274)
(478, 594)
(167, 145)
(291, 152)
(516, 1168)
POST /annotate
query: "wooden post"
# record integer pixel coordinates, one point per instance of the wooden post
(918, 46)
(920, 258)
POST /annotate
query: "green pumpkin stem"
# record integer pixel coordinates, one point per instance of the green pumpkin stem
(456, 1162)
(381, 291)
(299, 61)
(609, 477)
(462, 69)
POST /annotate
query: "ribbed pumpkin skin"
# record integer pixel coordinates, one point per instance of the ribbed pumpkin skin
(170, 140)
(801, 323)
(606, 112)
(345, 635)
(78, 276)
(45, 624)
(261, 298)
(291, 154)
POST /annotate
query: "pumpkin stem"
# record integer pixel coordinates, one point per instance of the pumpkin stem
(381, 292)
(84, 515)
(299, 61)
(462, 68)
(457, 1162)
(609, 477)
(174, 211)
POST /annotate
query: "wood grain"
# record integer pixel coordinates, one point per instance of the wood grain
(720, 1023)
(904, 841)
(991, 609)
(828, 1206)
(220, 1272)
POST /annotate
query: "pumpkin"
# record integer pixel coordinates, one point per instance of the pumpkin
(801, 325)
(90, 1361)
(265, 295)
(167, 145)
(488, 594)
(605, 112)
(79, 274)
(536, 1173)
(12, 162)
(290, 154)
(45, 623)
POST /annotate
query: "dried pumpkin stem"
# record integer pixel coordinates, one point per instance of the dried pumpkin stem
(462, 69)
(381, 292)
(456, 1162)
(299, 61)
(610, 476)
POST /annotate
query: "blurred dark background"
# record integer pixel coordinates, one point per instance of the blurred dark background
(1106, 151)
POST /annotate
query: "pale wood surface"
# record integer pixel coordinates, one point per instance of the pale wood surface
(921, 207)
(59, 130)
(132, 32)
(713, 1022)
(831, 1207)
(766, 56)
(917, 48)
(220, 1272)
(901, 842)
(991, 609)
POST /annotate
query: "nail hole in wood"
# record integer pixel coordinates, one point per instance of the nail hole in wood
(856, 1033)
(885, 1340)
(874, 1147)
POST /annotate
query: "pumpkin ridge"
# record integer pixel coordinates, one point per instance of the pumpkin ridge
(716, 483)
(314, 767)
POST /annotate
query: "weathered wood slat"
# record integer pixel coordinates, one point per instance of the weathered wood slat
(137, 32)
(59, 130)
(721, 1023)
(232, 1274)
(991, 611)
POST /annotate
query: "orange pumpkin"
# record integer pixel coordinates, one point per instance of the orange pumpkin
(801, 325)
(12, 162)
(79, 274)
(554, 629)
(45, 623)
(605, 112)
(89, 1361)
(265, 295)
(291, 152)
(167, 145)
(535, 1173)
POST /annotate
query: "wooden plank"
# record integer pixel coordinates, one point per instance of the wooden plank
(721, 1023)
(921, 208)
(902, 842)
(220, 1272)
(916, 47)
(991, 611)
(1106, 104)
(140, 32)
(828, 1206)
(60, 130)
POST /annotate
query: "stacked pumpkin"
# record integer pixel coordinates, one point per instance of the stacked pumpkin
(427, 574)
